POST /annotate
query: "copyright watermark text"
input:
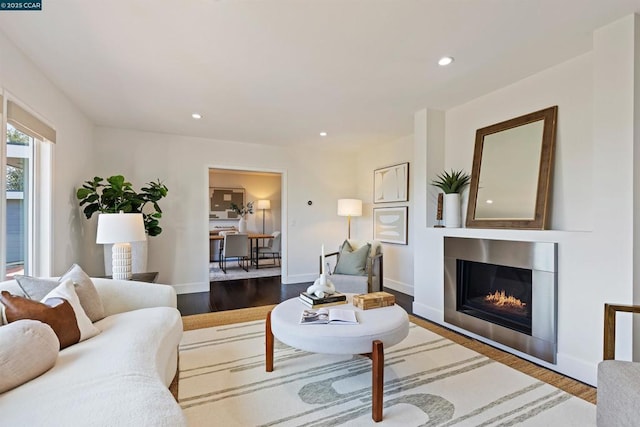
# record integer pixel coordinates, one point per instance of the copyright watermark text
(21, 5)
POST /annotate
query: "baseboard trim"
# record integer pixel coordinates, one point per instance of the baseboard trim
(191, 288)
(398, 286)
(299, 278)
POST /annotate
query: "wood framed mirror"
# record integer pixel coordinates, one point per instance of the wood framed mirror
(512, 171)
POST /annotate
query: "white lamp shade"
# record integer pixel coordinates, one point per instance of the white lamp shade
(349, 207)
(264, 204)
(120, 228)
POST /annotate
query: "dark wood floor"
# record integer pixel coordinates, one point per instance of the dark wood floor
(255, 292)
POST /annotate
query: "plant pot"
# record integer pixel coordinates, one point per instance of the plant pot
(452, 210)
(242, 225)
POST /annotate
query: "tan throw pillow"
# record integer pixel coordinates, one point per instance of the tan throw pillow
(28, 348)
(60, 309)
(36, 288)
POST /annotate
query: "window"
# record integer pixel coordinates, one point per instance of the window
(25, 234)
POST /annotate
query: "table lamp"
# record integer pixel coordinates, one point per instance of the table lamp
(120, 229)
(349, 208)
(263, 204)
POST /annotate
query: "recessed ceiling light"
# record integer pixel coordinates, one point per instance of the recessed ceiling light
(445, 60)
(196, 116)
(323, 134)
(489, 201)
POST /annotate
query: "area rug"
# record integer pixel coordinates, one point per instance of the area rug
(267, 269)
(429, 381)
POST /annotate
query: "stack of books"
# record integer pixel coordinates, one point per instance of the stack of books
(310, 300)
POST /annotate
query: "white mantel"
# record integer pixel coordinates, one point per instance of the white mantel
(593, 218)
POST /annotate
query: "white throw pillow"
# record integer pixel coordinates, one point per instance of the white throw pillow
(66, 291)
(28, 348)
(36, 288)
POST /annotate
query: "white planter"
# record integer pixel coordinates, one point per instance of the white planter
(452, 210)
(242, 225)
(139, 257)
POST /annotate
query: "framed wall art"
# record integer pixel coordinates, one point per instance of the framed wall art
(391, 184)
(390, 224)
(221, 200)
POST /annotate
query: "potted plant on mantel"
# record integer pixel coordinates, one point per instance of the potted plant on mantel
(452, 184)
(117, 195)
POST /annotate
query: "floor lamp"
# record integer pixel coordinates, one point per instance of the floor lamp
(263, 204)
(120, 229)
(349, 208)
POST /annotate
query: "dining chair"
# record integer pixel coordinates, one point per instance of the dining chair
(235, 245)
(273, 248)
(221, 242)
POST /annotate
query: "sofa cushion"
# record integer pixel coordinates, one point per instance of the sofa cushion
(36, 288)
(60, 309)
(28, 348)
(352, 262)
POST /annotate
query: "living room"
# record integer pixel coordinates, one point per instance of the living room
(594, 195)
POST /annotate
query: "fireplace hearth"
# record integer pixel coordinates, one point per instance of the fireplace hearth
(504, 291)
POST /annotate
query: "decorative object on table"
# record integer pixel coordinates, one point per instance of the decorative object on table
(311, 300)
(324, 316)
(322, 286)
(221, 199)
(511, 174)
(242, 211)
(349, 208)
(374, 300)
(452, 184)
(116, 195)
(439, 211)
(391, 184)
(390, 224)
(120, 229)
(263, 205)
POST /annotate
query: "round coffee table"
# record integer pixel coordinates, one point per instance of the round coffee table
(376, 329)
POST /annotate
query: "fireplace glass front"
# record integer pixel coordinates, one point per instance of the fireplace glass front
(495, 293)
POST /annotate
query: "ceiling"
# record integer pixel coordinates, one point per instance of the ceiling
(280, 71)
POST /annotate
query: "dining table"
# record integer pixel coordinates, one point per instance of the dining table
(253, 241)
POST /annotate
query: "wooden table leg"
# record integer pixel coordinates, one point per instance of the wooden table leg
(377, 380)
(269, 344)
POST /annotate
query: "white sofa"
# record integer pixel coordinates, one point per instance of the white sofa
(120, 377)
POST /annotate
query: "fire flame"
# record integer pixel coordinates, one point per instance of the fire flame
(501, 299)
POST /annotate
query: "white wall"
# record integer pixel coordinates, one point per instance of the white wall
(181, 252)
(72, 153)
(593, 191)
(398, 259)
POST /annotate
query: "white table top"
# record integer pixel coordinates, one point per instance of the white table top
(387, 324)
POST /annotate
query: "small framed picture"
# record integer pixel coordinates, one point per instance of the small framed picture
(390, 224)
(391, 184)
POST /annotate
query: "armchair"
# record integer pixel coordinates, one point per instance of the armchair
(618, 381)
(355, 270)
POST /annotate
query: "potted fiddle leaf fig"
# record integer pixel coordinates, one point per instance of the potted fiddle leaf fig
(117, 194)
(452, 184)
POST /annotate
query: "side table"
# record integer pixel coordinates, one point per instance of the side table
(149, 277)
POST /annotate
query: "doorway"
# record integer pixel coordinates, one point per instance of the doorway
(229, 189)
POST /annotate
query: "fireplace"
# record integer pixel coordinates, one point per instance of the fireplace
(504, 291)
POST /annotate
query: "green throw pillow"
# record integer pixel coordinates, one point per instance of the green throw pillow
(352, 262)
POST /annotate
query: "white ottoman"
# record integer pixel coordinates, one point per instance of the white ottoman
(377, 328)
